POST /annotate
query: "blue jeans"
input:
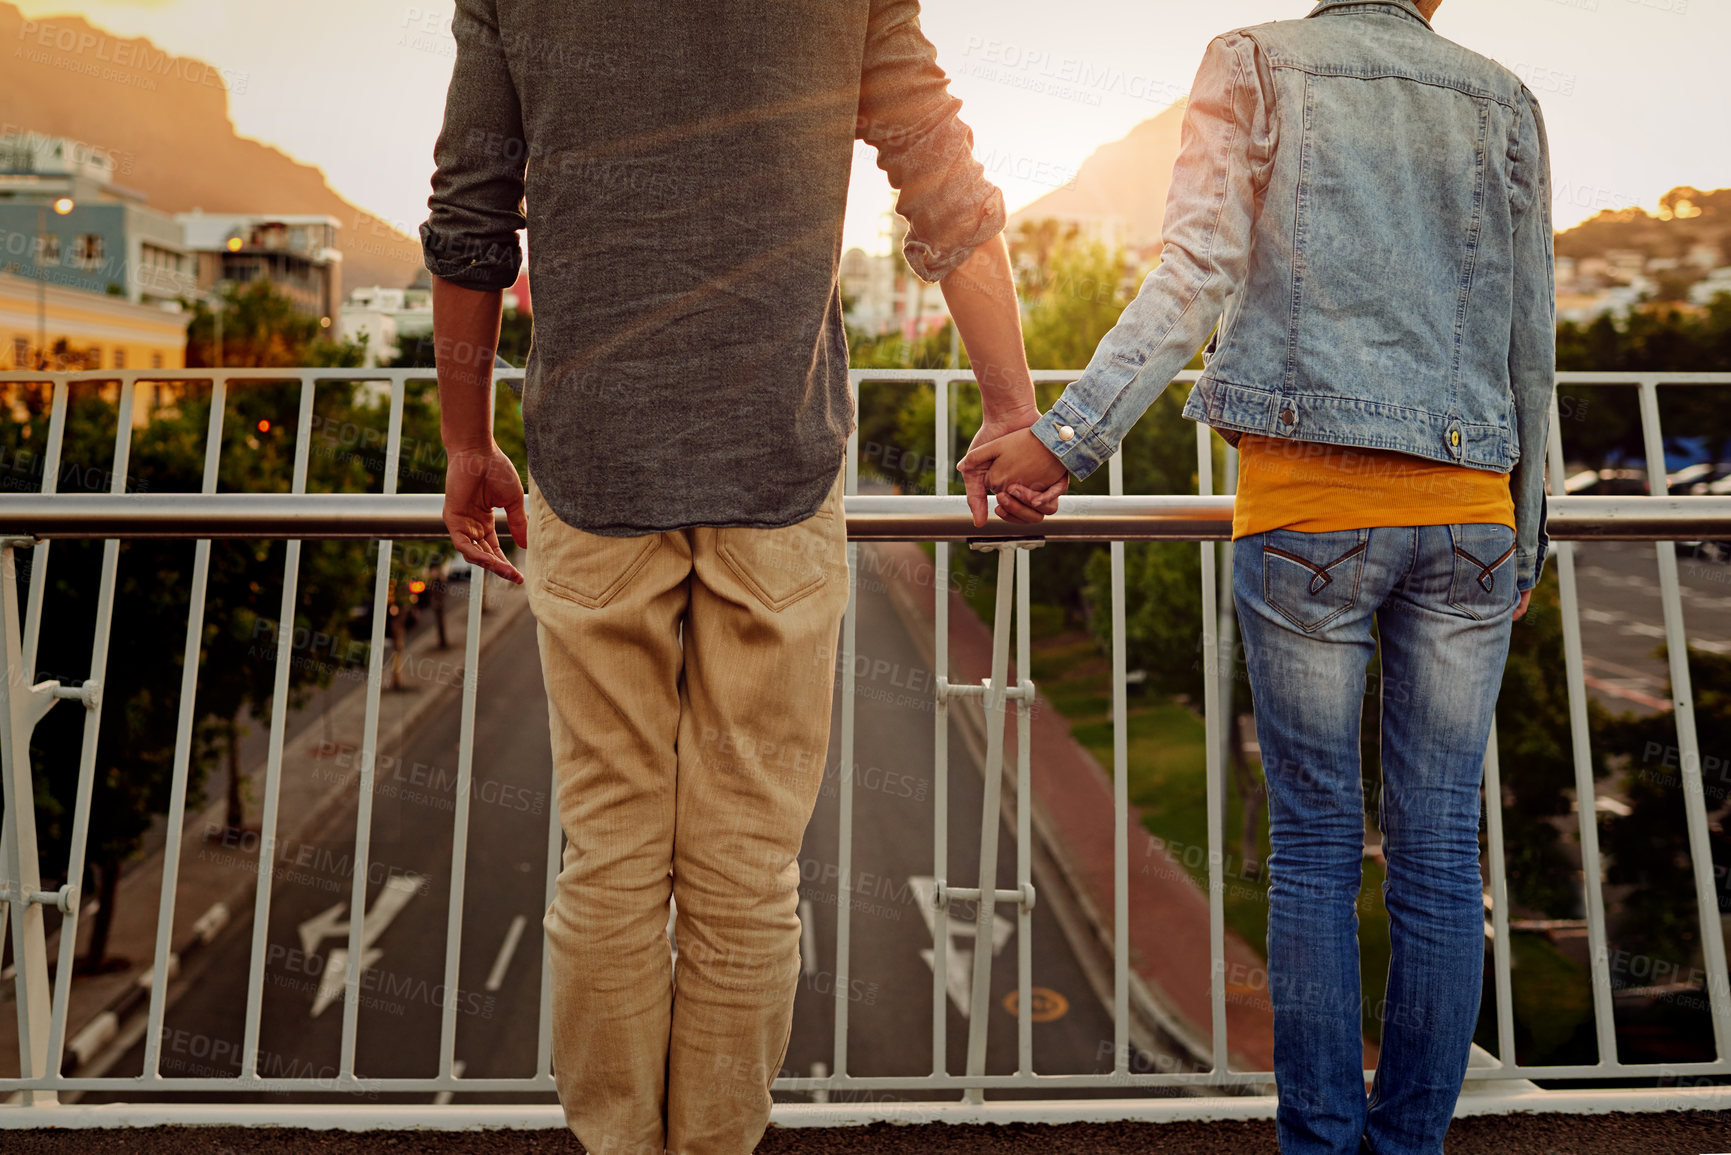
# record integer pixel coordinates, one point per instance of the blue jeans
(1443, 598)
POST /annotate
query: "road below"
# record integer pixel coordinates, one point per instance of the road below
(497, 1025)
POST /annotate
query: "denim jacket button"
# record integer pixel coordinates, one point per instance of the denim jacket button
(1288, 417)
(1065, 433)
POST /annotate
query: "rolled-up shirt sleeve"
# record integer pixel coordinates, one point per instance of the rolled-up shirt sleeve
(470, 235)
(906, 112)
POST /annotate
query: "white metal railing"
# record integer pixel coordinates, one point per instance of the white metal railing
(32, 521)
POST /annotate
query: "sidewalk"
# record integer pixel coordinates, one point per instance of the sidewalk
(219, 869)
(1072, 813)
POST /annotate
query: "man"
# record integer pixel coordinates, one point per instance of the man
(686, 405)
(1361, 213)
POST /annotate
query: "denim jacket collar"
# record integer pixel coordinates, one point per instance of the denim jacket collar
(1404, 8)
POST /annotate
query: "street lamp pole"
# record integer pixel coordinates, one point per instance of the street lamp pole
(41, 288)
(62, 206)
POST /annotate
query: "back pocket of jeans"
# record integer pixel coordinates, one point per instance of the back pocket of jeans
(1483, 584)
(1312, 578)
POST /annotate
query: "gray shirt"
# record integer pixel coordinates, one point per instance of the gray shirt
(684, 170)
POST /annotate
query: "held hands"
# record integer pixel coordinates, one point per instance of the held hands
(1022, 472)
(476, 483)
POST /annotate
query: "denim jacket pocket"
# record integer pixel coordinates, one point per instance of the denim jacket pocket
(1312, 578)
(1483, 584)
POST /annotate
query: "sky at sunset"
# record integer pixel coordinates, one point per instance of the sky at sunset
(1635, 92)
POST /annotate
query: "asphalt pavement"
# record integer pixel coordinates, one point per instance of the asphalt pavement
(1623, 619)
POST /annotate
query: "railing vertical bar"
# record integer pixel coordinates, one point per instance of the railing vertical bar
(1499, 902)
(460, 831)
(991, 818)
(20, 869)
(358, 941)
(845, 777)
(1024, 823)
(182, 763)
(1592, 875)
(1688, 740)
(1227, 619)
(92, 728)
(1120, 798)
(26, 676)
(944, 395)
(273, 758)
(555, 856)
(39, 556)
(1212, 735)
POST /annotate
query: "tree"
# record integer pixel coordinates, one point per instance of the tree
(141, 691)
(1536, 760)
(1602, 424)
(1649, 847)
(516, 336)
(262, 327)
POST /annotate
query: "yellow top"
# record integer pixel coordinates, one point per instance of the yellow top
(1304, 485)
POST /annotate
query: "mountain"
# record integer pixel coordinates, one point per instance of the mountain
(1688, 218)
(1120, 190)
(165, 120)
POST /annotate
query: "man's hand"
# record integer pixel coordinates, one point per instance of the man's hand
(476, 483)
(1521, 610)
(1026, 477)
(1023, 505)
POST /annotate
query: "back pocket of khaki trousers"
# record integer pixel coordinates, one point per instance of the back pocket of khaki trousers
(584, 567)
(781, 566)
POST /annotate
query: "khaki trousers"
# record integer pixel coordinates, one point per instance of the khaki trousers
(689, 675)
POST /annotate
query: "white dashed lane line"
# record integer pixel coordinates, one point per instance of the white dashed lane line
(496, 976)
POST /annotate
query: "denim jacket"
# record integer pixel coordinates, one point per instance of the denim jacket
(1361, 213)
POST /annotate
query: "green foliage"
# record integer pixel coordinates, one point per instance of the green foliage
(1163, 612)
(516, 336)
(1649, 848)
(1604, 422)
(1073, 292)
(238, 645)
(262, 327)
(1536, 759)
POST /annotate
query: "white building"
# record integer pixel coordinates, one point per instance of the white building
(386, 316)
(1718, 281)
(886, 297)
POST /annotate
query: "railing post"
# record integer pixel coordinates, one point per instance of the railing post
(996, 701)
(23, 875)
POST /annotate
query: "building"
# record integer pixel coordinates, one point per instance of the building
(296, 252)
(884, 296)
(386, 317)
(86, 330)
(1718, 281)
(110, 242)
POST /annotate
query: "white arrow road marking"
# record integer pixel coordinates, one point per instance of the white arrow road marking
(399, 889)
(807, 938)
(322, 926)
(336, 972)
(958, 960)
(444, 1097)
(496, 976)
(820, 1071)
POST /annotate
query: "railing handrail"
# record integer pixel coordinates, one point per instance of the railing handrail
(870, 517)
